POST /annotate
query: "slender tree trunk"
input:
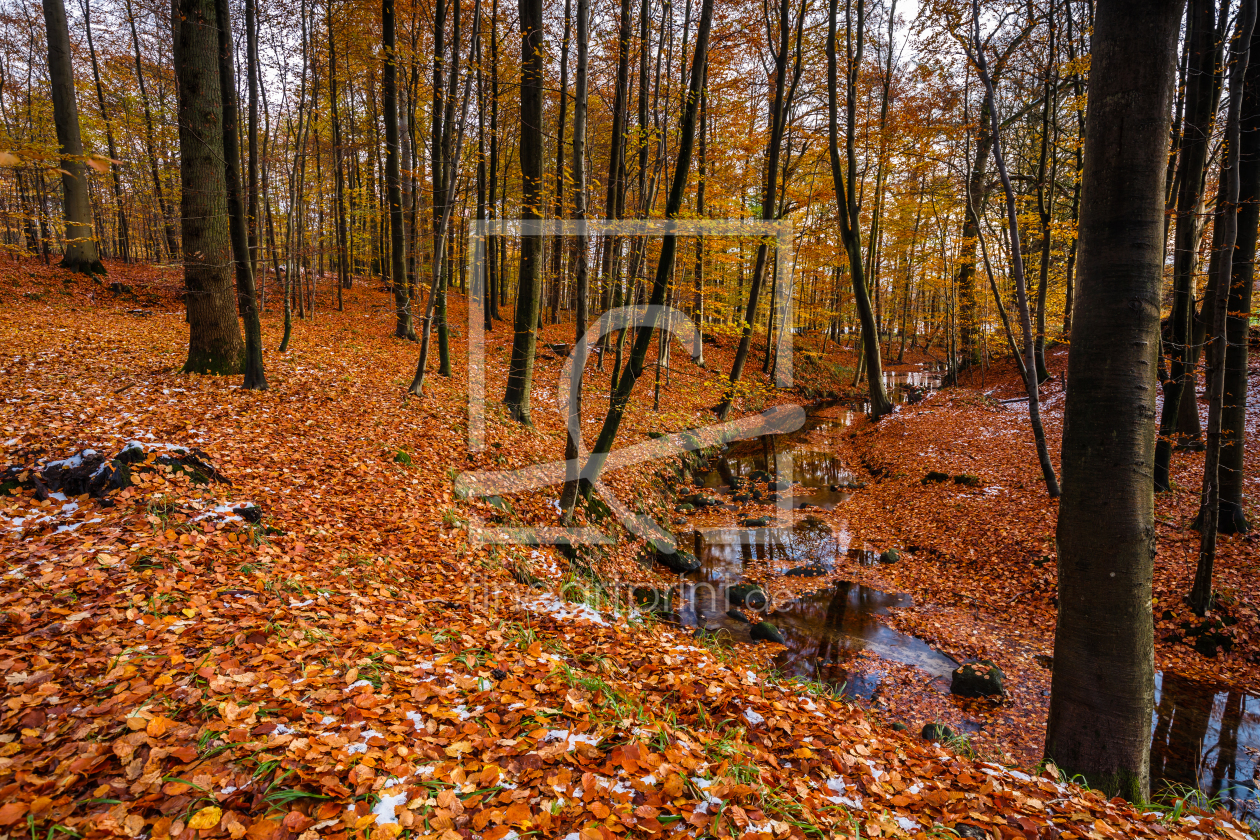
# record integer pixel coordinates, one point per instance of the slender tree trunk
(1104, 675)
(780, 103)
(168, 223)
(1231, 517)
(251, 81)
(1017, 266)
(214, 336)
(529, 283)
(80, 250)
(255, 377)
(339, 178)
(572, 447)
(846, 178)
(1227, 222)
(393, 187)
(557, 251)
(664, 267)
(1200, 99)
(122, 235)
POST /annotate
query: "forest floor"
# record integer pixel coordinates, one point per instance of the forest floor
(352, 665)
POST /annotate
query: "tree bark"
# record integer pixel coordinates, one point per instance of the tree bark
(1196, 135)
(255, 377)
(529, 282)
(664, 267)
(80, 248)
(168, 223)
(1227, 224)
(122, 235)
(1104, 676)
(845, 178)
(1232, 519)
(581, 277)
(214, 337)
(403, 327)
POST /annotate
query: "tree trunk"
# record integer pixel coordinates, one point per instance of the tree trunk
(80, 250)
(122, 235)
(393, 187)
(1227, 223)
(1200, 98)
(214, 337)
(1104, 676)
(664, 267)
(1231, 517)
(779, 105)
(572, 444)
(1017, 266)
(339, 178)
(168, 223)
(846, 178)
(255, 377)
(529, 282)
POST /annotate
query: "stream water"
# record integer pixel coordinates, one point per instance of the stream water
(1204, 737)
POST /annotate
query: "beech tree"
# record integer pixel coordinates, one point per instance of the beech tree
(214, 336)
(80, 252)
(1103, 686)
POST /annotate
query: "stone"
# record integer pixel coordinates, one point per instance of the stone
(899, 726)
(935, 477)
(971, 832)
(680, 562)
(756, 522)
(890, 556)
(977, 679)
(764, 631)
(806, 571)
(967, 480)
(780, 485)
(747, 595)
(736, 615)
(936, 732)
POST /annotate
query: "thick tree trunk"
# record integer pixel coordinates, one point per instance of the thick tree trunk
(80, 251)
(214, 336)
(1104, 675)
(255, 377)
(1232, 518)
(529, 282)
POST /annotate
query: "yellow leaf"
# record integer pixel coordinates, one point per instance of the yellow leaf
(188, 611)
(207, 817)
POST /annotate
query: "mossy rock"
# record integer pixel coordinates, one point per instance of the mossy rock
(747, 595)
(764, 631)
(967, 480)
(977, 679)
(653, 600)
(890, 556)
(936, 732)
(935, 477)
(756, 522)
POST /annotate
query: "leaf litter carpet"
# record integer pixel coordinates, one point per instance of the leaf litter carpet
(350, 665)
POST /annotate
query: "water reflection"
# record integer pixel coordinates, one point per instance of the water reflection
(1206, 737)
(824, 630)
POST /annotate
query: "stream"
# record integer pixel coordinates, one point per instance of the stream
(1204, 737)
